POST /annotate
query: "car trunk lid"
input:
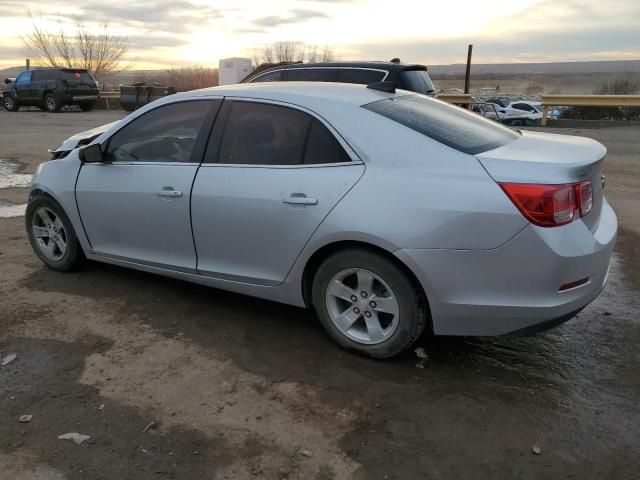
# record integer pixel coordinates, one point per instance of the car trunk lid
(546, 158)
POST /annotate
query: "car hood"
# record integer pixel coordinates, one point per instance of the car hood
(82, 138)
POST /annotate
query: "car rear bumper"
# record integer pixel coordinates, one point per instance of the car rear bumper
(515, 288)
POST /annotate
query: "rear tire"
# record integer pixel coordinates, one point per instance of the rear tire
(52, 103)
(10, 104)
(51, 234)
(368, 304)
(87, 107)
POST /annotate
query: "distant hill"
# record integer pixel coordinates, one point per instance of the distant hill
(560, 68)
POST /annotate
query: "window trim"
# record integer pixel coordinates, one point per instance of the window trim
(224, 116)
(284, 69)
(200, 141)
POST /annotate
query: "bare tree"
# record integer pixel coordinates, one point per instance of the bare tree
(290, 52)
(101, 53)
(191, 78)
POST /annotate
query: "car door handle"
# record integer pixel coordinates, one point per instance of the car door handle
(169, 192)
(300, 199)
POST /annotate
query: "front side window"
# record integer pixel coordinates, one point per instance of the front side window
(269, 77)
(312, 75)
(24, 78)
(360, 76)
(264, 134)
(165, 134)
(455, 127)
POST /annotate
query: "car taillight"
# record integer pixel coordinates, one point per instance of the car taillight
(550, 205)
(586, 197)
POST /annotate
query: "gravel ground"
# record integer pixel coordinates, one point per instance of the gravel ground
(172, 380)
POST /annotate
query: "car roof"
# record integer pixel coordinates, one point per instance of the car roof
(377, 64)
(301, 93)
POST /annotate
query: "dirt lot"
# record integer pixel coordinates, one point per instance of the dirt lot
(234, 387)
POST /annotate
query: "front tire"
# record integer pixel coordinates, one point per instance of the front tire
(51, 234)
(52, 103)
(10, 104)
(368, 304)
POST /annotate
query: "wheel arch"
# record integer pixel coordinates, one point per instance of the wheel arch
(316, 259)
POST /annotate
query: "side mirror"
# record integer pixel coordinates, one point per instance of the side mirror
(91, 154)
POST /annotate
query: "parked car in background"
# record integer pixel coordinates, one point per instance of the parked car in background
(50, 89)
(387, 212)
(533, 108)
(407, 77)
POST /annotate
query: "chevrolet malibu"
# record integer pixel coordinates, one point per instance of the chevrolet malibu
(388, 212)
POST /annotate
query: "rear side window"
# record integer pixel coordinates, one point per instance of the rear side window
(262, 134)
(455, 127)
(322, 146)
(165, 134)
(312, 74)
(360, 76)
(269, 77)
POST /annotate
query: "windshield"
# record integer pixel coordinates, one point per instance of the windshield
(455, 127)
(417, 81)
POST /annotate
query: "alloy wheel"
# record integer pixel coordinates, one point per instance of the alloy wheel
(49, 232)
(362, 306)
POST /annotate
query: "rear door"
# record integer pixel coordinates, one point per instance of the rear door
(271, 175)
(136, 207)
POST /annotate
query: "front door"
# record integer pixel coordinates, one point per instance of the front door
(135, 206)
(23, 88)
(270, 177)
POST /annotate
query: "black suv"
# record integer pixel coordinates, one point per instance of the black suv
(407, 77)
(51, 89)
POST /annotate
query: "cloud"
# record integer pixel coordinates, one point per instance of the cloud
(297, 15)
(523, 46)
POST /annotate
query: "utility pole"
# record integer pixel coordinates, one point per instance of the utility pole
(468, 74)
(28, 63)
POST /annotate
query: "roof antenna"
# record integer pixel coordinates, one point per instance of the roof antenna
(388, 86)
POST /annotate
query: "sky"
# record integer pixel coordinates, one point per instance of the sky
(174, 33)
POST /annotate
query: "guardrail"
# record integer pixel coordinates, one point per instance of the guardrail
(457, 98)
(106, 96)
(586, 101)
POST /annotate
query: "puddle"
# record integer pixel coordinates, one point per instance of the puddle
(9, 178)
(11, 210)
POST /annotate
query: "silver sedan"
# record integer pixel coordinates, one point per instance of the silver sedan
(386, 211)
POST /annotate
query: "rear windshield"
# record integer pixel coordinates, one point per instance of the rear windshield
(417, 81)
(74, 75)
(455, 127)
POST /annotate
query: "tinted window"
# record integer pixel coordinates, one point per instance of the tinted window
(268, 77)
(453, 126)
(73, 75)
(322, 146)
(416, 81)
(312, 74)
(24, 78)
(356, 75)
(261, 134)
(165, 134)
(38, 75)
(523, 106)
